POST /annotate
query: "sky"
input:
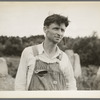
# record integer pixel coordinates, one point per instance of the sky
(26, 18)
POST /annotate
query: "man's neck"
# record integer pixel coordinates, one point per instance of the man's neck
(50, 48)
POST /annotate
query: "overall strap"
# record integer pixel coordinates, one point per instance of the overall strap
(35, 50)
(60, 56)
(35, 53)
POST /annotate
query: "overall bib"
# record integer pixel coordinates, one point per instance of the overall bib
(47, 76)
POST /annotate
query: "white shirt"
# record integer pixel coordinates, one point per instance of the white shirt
(23, 77)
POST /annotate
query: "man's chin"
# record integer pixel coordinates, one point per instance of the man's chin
(57, 41)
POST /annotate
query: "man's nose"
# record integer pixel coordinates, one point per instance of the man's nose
(59, 32)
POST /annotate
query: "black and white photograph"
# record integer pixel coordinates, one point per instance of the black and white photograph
(50, 47)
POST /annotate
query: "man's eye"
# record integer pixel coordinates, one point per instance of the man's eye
(62, 30)
(56, 28)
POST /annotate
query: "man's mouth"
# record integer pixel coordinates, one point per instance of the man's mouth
(58, 37)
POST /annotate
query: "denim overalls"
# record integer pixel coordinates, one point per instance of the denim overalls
(47, 76)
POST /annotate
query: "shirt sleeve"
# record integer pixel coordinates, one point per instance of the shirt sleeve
(20, 80)
(68, 72)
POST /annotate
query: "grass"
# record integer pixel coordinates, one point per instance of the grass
(12, 63)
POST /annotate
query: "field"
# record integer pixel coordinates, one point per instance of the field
(86, 82)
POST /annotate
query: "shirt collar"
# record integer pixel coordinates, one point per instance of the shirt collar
(41, 50)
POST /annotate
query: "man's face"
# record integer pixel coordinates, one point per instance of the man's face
(55, 32)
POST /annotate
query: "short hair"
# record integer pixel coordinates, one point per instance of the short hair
(56, 18)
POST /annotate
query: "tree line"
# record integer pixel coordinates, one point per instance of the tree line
(87, 47)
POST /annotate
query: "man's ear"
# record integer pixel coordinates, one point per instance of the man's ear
(45, 29)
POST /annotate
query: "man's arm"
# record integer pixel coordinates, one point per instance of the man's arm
(69, 74)
(20, 81)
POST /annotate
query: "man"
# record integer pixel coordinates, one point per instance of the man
(45, 66)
